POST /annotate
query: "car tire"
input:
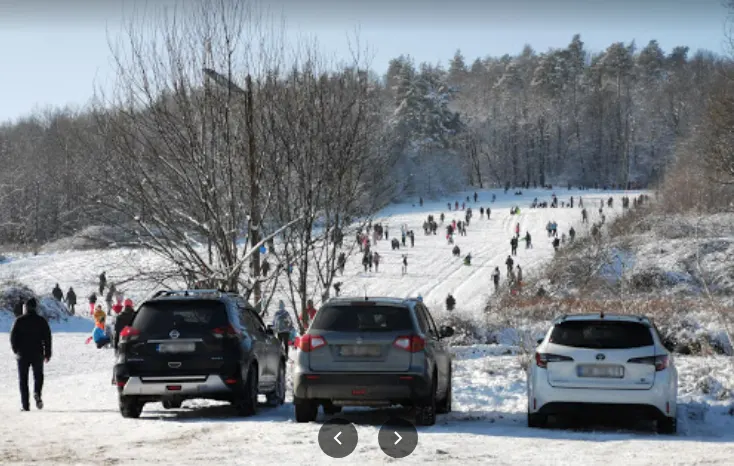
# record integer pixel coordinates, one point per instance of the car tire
(331, 409)
(668, 425)
(246, 400)
(171, 404)
(444, 407)
(277, 397)
(425, 412)
(130, 407)
(537, 421)
(306, 410)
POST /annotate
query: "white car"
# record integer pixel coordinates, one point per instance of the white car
(603, 362)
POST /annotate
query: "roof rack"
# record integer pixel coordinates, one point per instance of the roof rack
(190, 292)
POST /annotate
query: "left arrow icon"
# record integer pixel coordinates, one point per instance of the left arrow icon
(336, 437)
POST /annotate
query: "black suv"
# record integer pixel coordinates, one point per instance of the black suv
(198, 344)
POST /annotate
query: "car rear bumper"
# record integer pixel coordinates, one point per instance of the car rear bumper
(361, 389)
(655, 402)
(180, 386)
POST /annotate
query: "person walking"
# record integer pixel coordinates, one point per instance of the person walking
(57, 293)
(124, 319)
(92, 302)
(450, 302)
(496, 278)
(30, 339)
(71, 300)
(282, 326)
(102, 282)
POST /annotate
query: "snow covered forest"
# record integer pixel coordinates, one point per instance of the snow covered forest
(168, 130)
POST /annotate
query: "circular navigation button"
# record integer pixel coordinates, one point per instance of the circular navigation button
(397, 438)
(338, 438)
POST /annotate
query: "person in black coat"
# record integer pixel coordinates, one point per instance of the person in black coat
(71, 300)
(57, 293)
(124, 319)
(30, 339)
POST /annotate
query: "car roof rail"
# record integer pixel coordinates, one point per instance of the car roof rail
(217, 292)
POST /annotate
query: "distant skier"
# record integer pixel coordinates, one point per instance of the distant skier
(493, 197)
(509, 263)
(519, 277)
(481, 212)
(71, 300)
(420, 201)
(489, 211)
(102, 282)
(365, 261)
(513, 246)
(496, 278)
(405, 264)
(109, 297)
(376, 261)
(528, 240)
(584, 215)
(476, 196)
(456, 252)
(450, 303)
(517, 229)
(443, 217)
(556, 244)
(467, 259)
(412, 238)
(571, 235)
(57, 293)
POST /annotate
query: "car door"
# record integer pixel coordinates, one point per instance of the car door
(258, 344)
(441, 352)
(273, 346)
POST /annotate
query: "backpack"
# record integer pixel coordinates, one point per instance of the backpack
(283, 322)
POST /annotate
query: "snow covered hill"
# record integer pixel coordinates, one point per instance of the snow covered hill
(81, 424)
(432, 271)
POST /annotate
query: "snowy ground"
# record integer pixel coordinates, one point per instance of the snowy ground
(81, 424)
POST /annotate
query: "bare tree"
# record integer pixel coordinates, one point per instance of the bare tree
(179, 154)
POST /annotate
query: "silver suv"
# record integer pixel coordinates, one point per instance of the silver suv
(373, 352)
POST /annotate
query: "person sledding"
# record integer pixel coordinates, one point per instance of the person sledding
(100, 335)
(467, 259)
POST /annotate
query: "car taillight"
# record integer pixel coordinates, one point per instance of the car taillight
(410, 343)
(660, 362)
(129, 333)
(308, 343)
(542, 359)
(228, 331)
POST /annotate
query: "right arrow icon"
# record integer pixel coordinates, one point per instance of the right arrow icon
(399, 438)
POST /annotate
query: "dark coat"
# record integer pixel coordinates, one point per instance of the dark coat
(125, 319)
(30, 336)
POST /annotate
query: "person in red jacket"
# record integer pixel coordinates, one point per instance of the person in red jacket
(311, 310)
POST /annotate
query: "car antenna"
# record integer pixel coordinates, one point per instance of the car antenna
(365, 293)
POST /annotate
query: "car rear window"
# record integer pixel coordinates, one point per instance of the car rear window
(363, 319)
(162, 316)
(601, 334)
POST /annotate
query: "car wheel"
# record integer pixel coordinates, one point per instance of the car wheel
(668, 426)
(277, 397)
(445, 406)
(425, 412)
(246, 400)
(536, 420)
(130, 407)
(306, 410)
(171, 404)
(330, 408)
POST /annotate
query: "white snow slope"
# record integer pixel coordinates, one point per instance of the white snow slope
(81, 424)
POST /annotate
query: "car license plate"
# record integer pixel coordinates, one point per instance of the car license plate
(608, 372)
(187, 347)
(359, 351)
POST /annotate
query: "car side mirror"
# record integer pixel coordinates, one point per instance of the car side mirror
(446, 331)
(540, 340)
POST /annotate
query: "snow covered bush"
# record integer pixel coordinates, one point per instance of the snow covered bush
(12, 292)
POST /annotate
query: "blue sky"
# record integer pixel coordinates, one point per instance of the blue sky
(53, 53)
